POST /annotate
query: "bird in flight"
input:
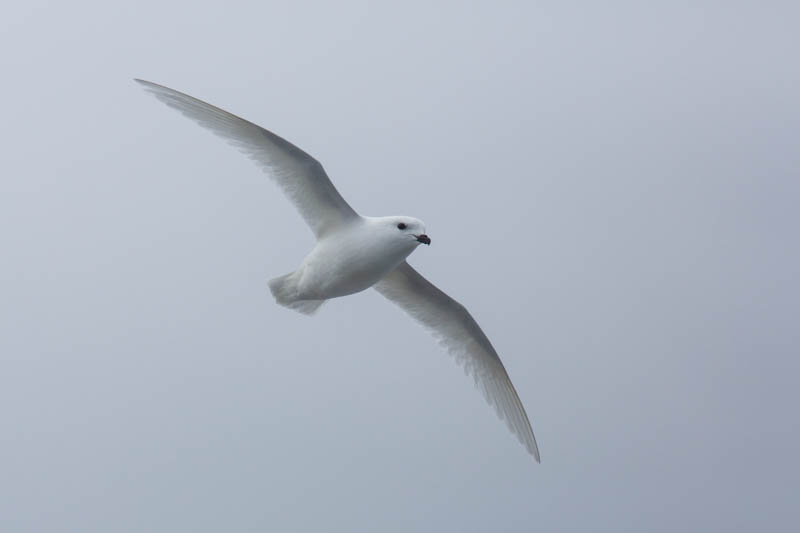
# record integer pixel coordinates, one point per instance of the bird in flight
(355, 252)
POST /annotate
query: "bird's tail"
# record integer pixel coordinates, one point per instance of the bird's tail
(284, 289)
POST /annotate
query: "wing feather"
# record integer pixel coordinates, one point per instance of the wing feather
(300, 176)
(461, 336)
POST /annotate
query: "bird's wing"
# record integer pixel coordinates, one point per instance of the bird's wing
(458, 332)
(301, 177)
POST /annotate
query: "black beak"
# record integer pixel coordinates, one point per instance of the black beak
(424, 239)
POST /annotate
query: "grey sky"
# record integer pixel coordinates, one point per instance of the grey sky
(611, 190)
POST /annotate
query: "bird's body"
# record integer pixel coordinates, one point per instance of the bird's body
(347, 260)
(354, 253)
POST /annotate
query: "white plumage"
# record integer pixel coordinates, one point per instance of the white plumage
(355, 252)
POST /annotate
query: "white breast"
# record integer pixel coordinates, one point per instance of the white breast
(351, 260)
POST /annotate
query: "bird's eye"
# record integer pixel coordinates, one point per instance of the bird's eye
(401, 226)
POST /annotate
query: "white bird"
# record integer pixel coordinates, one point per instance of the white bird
(355, 252)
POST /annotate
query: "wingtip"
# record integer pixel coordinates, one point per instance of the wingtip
(149, 84)
(535, 453)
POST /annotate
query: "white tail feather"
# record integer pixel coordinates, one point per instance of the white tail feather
(284, 290)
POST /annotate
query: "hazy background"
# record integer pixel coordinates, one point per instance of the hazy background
(611, 190)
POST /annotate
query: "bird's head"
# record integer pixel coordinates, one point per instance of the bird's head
(406, 230)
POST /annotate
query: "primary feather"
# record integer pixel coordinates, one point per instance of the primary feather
(300, 176)
(457, 331)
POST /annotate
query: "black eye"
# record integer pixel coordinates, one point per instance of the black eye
(401, 226)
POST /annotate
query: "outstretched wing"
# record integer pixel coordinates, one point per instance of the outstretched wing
(458, 332)
(301, 177)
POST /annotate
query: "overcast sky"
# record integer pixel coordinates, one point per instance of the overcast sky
(612, 191)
